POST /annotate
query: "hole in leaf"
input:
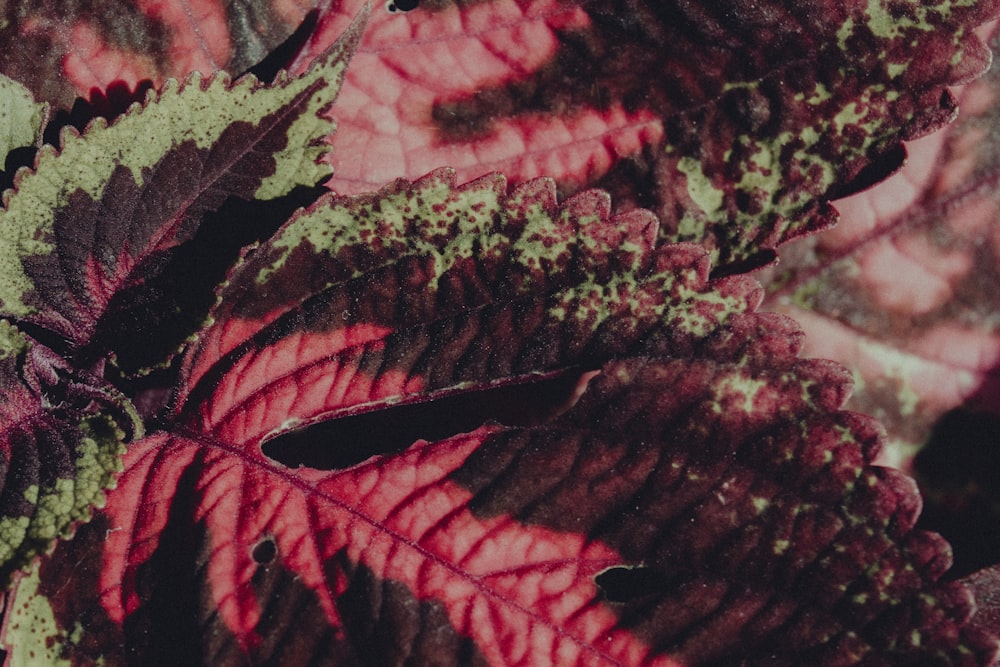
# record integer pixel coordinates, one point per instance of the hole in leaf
(625, 583)
(265, 551)
(394, 6)
(343, 442)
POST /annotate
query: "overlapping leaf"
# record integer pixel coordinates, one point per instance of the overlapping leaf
(61, 439)
(428, 289)
(903, 294)
(703, 501)
(731, 121)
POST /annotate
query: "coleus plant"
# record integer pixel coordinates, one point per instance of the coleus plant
(598, 451)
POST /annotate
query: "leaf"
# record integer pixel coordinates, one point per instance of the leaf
(101, 217)
(792, 103)
(715, 468)
(21, 118)
(733, 122)
(687, 492)
(67, 49)
(903, 294)
(61, 439)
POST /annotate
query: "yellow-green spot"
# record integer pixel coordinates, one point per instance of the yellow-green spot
(849, 115)
(761, 504)
(736, 387)
(12, 533)
(780, 547)
(883, 24)
(33, 636)
(429, 220)
(740, 85)
(12, 341)
(705, 195)
(542, 238)
(21, 117)
(819, 95)
(689, 228)
(845, 32)
(896, 69)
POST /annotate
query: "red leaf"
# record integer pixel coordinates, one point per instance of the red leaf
(704, 502)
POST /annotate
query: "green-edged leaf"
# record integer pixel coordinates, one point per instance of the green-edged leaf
(61, 439)
(103, 214)
(21, 118)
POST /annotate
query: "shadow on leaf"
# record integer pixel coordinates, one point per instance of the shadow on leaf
(347, 441)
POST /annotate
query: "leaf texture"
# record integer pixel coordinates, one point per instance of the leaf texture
(902, 293)
(21, 118)
(701, 502)
(427, 288)
(688, 492)
(733, 122)
(901, 290)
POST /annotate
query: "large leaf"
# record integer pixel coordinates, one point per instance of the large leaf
(703, 502)
(602, 455)
(732, 121)
(903, 293)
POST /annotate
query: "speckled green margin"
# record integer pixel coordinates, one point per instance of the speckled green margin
(198, 111)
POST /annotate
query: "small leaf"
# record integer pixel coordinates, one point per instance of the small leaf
(60, 443)
(68, 50)
(21, 118)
